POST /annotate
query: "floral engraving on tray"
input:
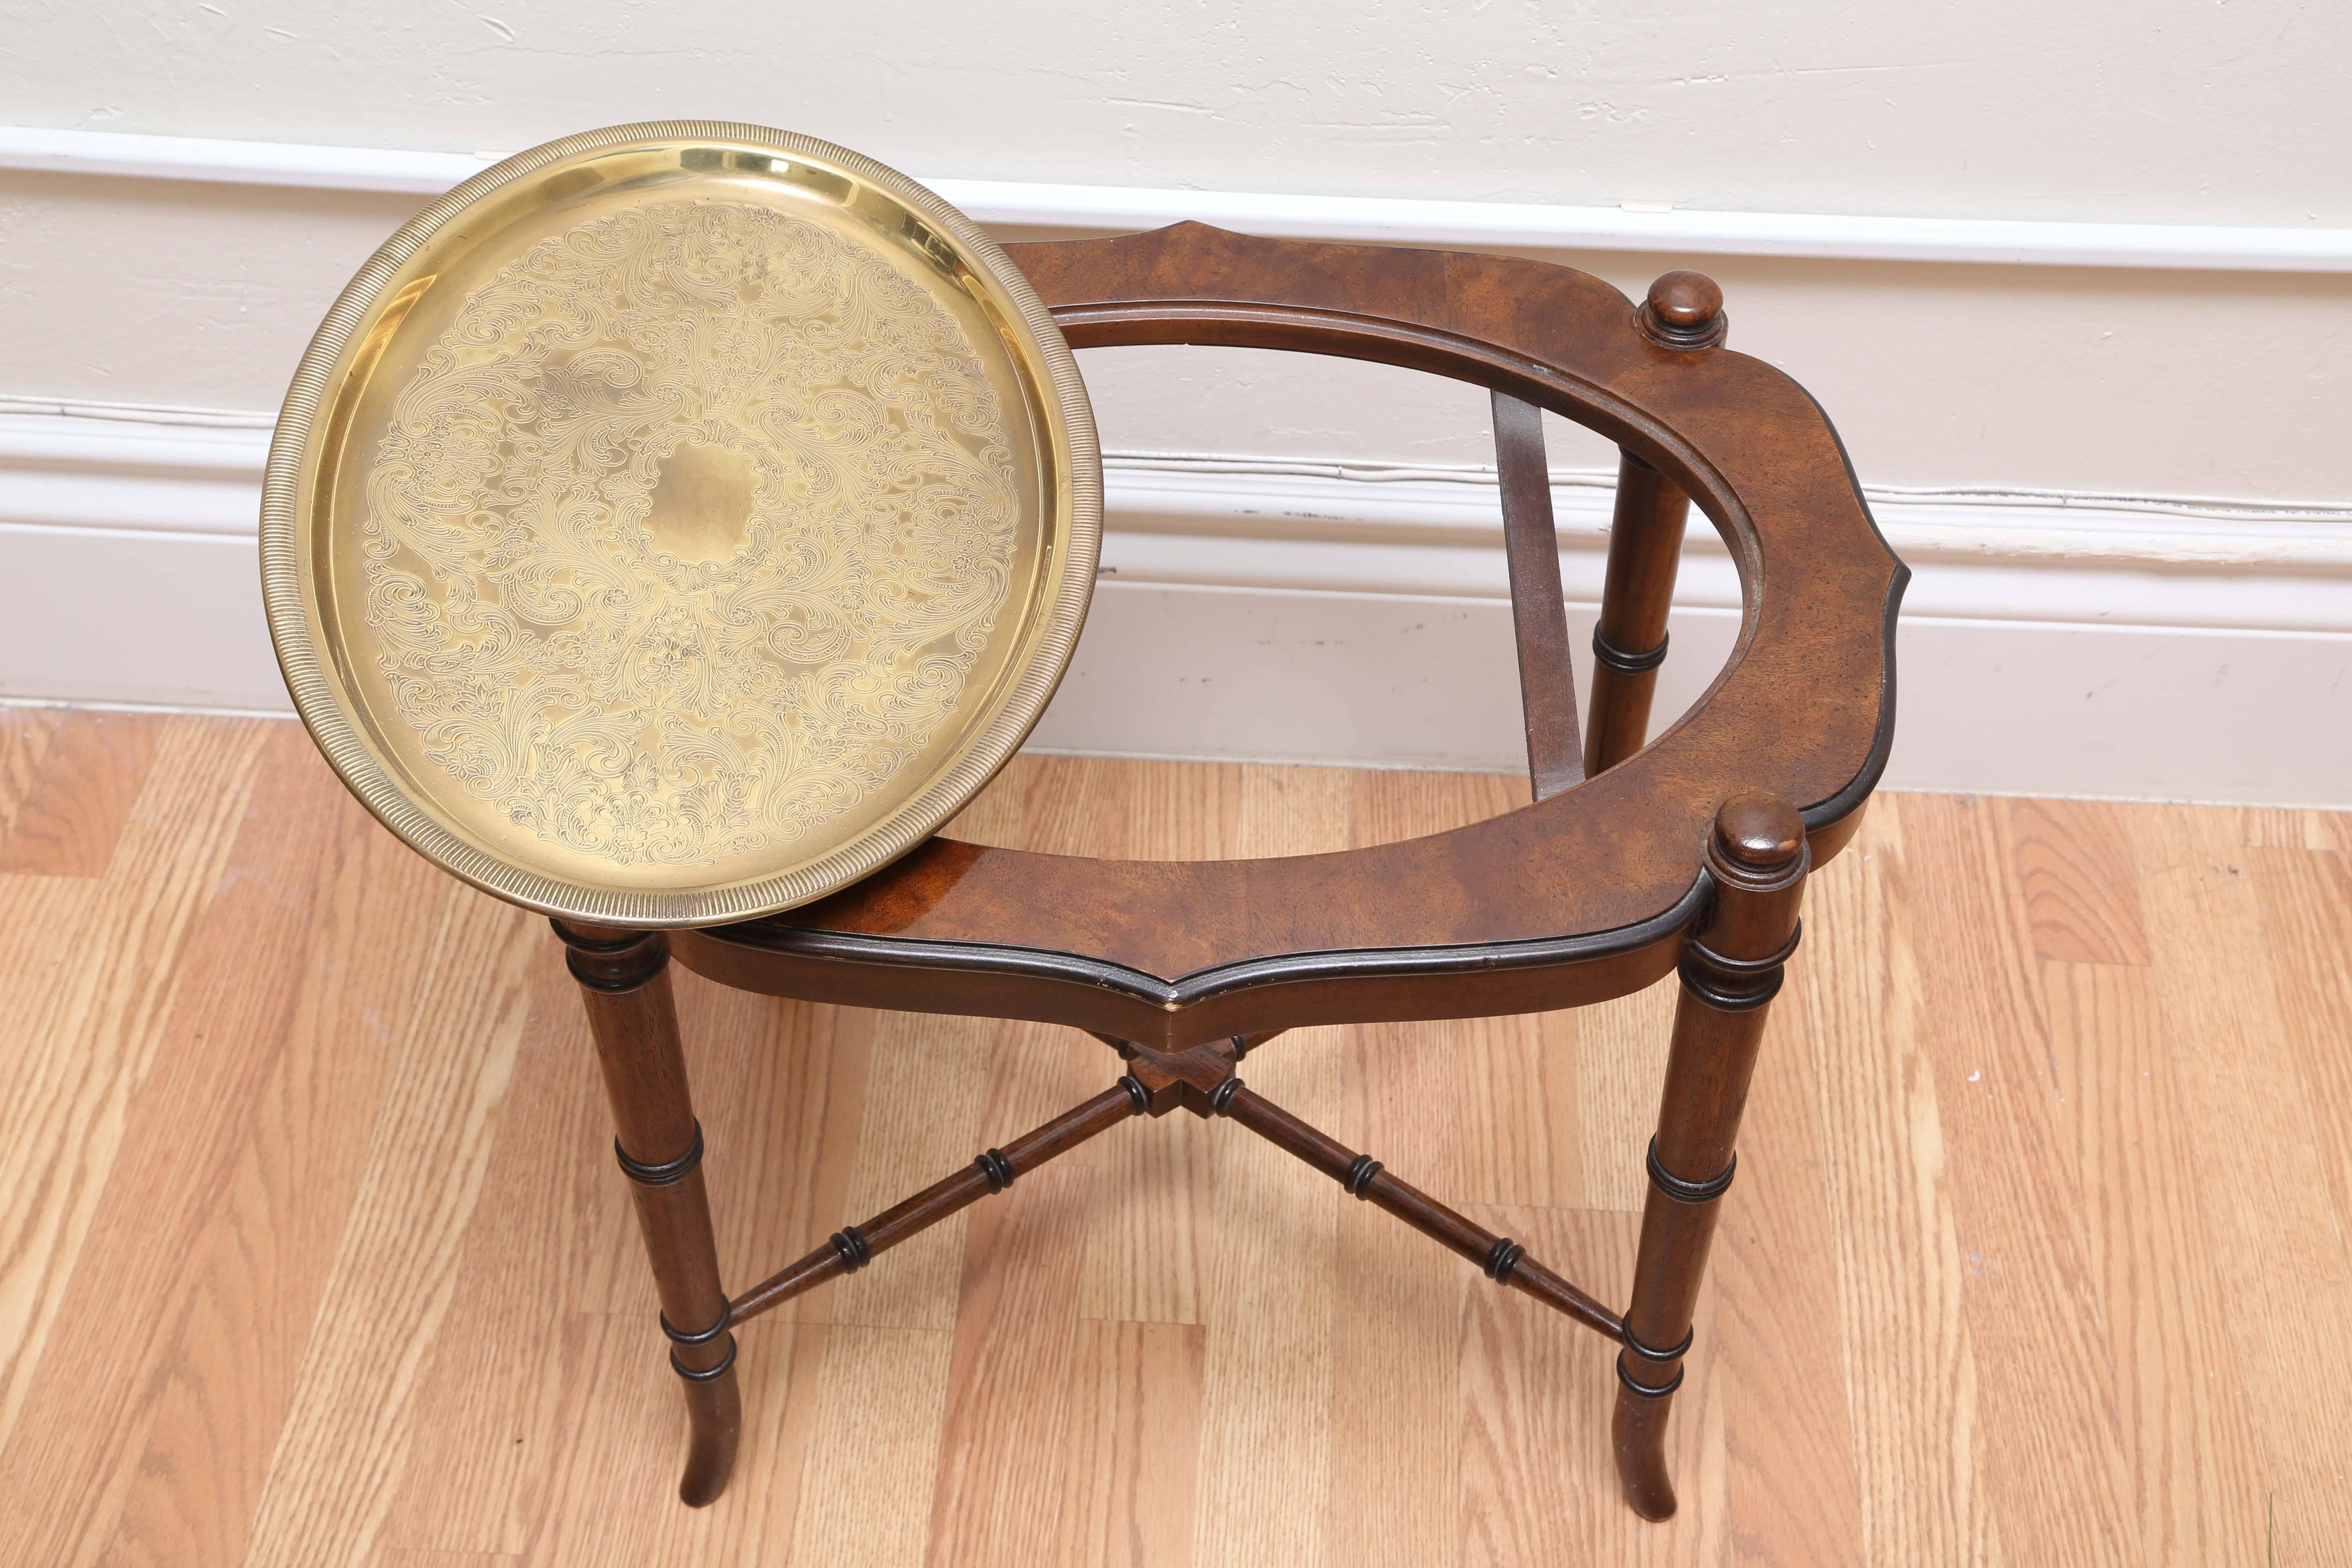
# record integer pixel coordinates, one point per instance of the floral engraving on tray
(687, 532)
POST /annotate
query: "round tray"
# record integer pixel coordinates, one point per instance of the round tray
(678, 521)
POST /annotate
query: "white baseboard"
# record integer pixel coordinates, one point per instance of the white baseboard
(2052, 644)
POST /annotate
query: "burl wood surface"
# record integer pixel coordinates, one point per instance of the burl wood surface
(312, 1249)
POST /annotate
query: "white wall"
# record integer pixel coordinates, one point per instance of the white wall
(2181, 109)
(2129, 110)
(2172, 389)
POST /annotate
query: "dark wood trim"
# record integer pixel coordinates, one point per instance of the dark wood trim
(1832, 822)
(1261, 997)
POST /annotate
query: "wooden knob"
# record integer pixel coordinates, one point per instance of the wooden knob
(1684, 311)
(1759, 831)
(1685, 299)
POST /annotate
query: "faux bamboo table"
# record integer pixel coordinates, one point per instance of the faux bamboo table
(1637, 857)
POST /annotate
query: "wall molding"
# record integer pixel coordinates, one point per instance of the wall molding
(2053, 643)
(1052, 208)
(1210, 521)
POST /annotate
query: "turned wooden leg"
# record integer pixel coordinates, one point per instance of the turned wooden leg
(1684, 312)
(1730, 970)
(1645, 545)
(624, 980)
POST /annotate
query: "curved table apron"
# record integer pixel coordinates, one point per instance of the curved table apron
(1576, 898)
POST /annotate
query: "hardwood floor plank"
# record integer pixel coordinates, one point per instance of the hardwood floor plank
(1142, 1258)
(1133, 1445)
(995, 814)
(2280, 1258)
(2198, 1481)
(1521, 1137)
(926, 1091)
(782, 1088)
(1397, 803)
(1145, 1223)
(880, 1397)
(1294, 811)
(24, 735)
(1188, 813)
(2271, 826)
(265, 1258)
(1791, 1495)
(494, 1378)
(1400, 1303)
(2074, 864)
(2033, 1307)
(613, 1496)
(2286, 826)
(46, 920)
(62, 1129)
(615, 1477)
(70, 818)
(186, 1124)
(1002, 1470)
(1531, 1391)
(1269, 1257)
(2327, 830)
(1911, 1371)
(1396, 1499)
(349, 1434)
(2305, 897)
(1620, 1069)
(1079, 806)
(1475, 1112)
(1271, 1282)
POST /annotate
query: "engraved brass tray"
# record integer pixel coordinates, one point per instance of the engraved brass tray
(678, 521)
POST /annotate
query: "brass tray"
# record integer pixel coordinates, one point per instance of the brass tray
(678, 521)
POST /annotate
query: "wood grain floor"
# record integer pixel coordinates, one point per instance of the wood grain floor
(311, 1249)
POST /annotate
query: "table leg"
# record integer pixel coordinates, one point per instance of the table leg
(1645, 545)
(625, 981)
(1730, 971)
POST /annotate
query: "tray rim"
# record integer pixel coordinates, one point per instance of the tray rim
(327, 714)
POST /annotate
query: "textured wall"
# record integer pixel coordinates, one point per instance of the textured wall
(2145, 382)
(2184, 111)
